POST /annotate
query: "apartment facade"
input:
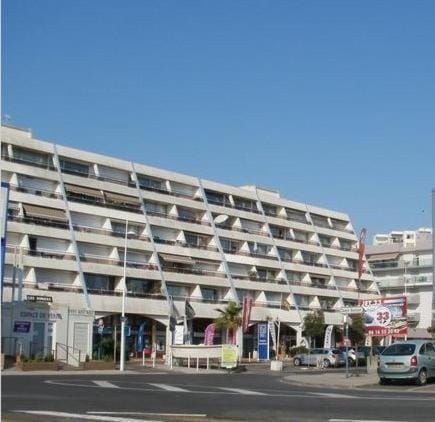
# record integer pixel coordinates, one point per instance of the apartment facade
(187, 238)
(403, 265)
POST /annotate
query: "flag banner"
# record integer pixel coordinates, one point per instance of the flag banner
(328, 337)
(179, 334)
(140, 337)
(246, 314)
(188, 310)
(272, 334)
(361, 250)
(209, 334)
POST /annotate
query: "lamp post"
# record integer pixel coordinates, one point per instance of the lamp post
(124, 289)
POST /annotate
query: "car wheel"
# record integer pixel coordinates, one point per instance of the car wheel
(422, 377)
(384, 381)
(326, 363)
(297, 362)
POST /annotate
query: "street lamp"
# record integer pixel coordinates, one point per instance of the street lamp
(124, 289)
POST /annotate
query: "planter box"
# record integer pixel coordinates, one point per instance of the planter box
(98, 365)
(38, 366)
(276, 365)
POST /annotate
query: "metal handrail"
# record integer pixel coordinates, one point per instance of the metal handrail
(67, 349)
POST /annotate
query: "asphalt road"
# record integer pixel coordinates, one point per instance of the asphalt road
(186, 397)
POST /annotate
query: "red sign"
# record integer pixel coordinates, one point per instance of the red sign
(246, 316)
(384, 317)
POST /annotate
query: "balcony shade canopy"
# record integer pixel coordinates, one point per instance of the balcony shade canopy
(80, 190)
(178, 259)
(51, 213)
(383, 257)
(116, 197)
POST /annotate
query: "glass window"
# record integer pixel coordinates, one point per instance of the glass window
(209, 293)
(399, 350)
(99, 282)
(74, 167)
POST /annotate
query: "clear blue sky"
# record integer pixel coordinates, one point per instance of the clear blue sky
(330, 102)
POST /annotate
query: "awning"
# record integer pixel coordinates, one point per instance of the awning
(116, 197)
(51, 213)
(179, 259)
(383, 257)
(83, 191)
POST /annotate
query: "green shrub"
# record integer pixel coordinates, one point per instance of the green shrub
(49, 357)
(298, 350)
(24, 358)
(87, 358)
(39, 357)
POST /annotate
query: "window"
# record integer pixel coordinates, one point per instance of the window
(186, 214)
(74, 167)
(209, 293)
(31, 156)
(215, 197)
(179, 291)
(150, 183)
(99, 282)
(229, 246)
(154, 207)
(137, 285)
(399, 350)
(428, 349)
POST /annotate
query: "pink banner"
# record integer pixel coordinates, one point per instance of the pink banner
(209, 334)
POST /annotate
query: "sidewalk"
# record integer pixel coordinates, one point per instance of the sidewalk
(333, 379)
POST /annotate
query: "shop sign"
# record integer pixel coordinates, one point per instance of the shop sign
(263, 341)
(41, 299)
(22, 326)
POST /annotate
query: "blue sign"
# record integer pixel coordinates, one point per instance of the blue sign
(127, 331)
(140, 337)
(263, 341)
(21, 326)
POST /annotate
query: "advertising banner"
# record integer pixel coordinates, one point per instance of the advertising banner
(179, 334)
(384, 317)
(209, 334)
(272, 332)
(328, 337)
(229, 356)
(246, 316)
(263, 341)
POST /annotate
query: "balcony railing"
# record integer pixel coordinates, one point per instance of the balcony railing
(101, 203)
(195, 271)
(106, 232)
(172, 192)
(184, 244)
(97, 259)
(179, 218)
(38, 192)
(39, 221)
(33, 163)
(41, 253)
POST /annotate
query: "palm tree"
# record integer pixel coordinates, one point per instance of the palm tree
(229, 320)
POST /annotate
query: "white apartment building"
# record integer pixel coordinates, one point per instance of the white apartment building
(187, 238)
(403, 265)
(404, 237)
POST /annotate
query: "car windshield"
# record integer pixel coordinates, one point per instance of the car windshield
(399, 350)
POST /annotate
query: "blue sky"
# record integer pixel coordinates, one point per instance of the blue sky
(330, 102)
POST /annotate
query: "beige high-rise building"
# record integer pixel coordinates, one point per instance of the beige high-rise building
(188, 238)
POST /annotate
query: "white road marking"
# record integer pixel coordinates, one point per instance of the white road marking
(243, 391)
(104, 384)
(83, 416)
(167, 387)
(336, 395)
(187, 415)
(360, 420)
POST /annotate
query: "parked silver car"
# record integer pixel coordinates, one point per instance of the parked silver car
(411, 360)
(322, 357)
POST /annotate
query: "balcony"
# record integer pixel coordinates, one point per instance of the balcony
(29, 162)
(41, 221)
(178, 218)
(191, 270)
(97, 259)
(164, 191)
(41, 253)
(184, 244)
(37, 192)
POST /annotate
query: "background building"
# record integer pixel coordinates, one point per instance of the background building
(187, 239)
(402, 264)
